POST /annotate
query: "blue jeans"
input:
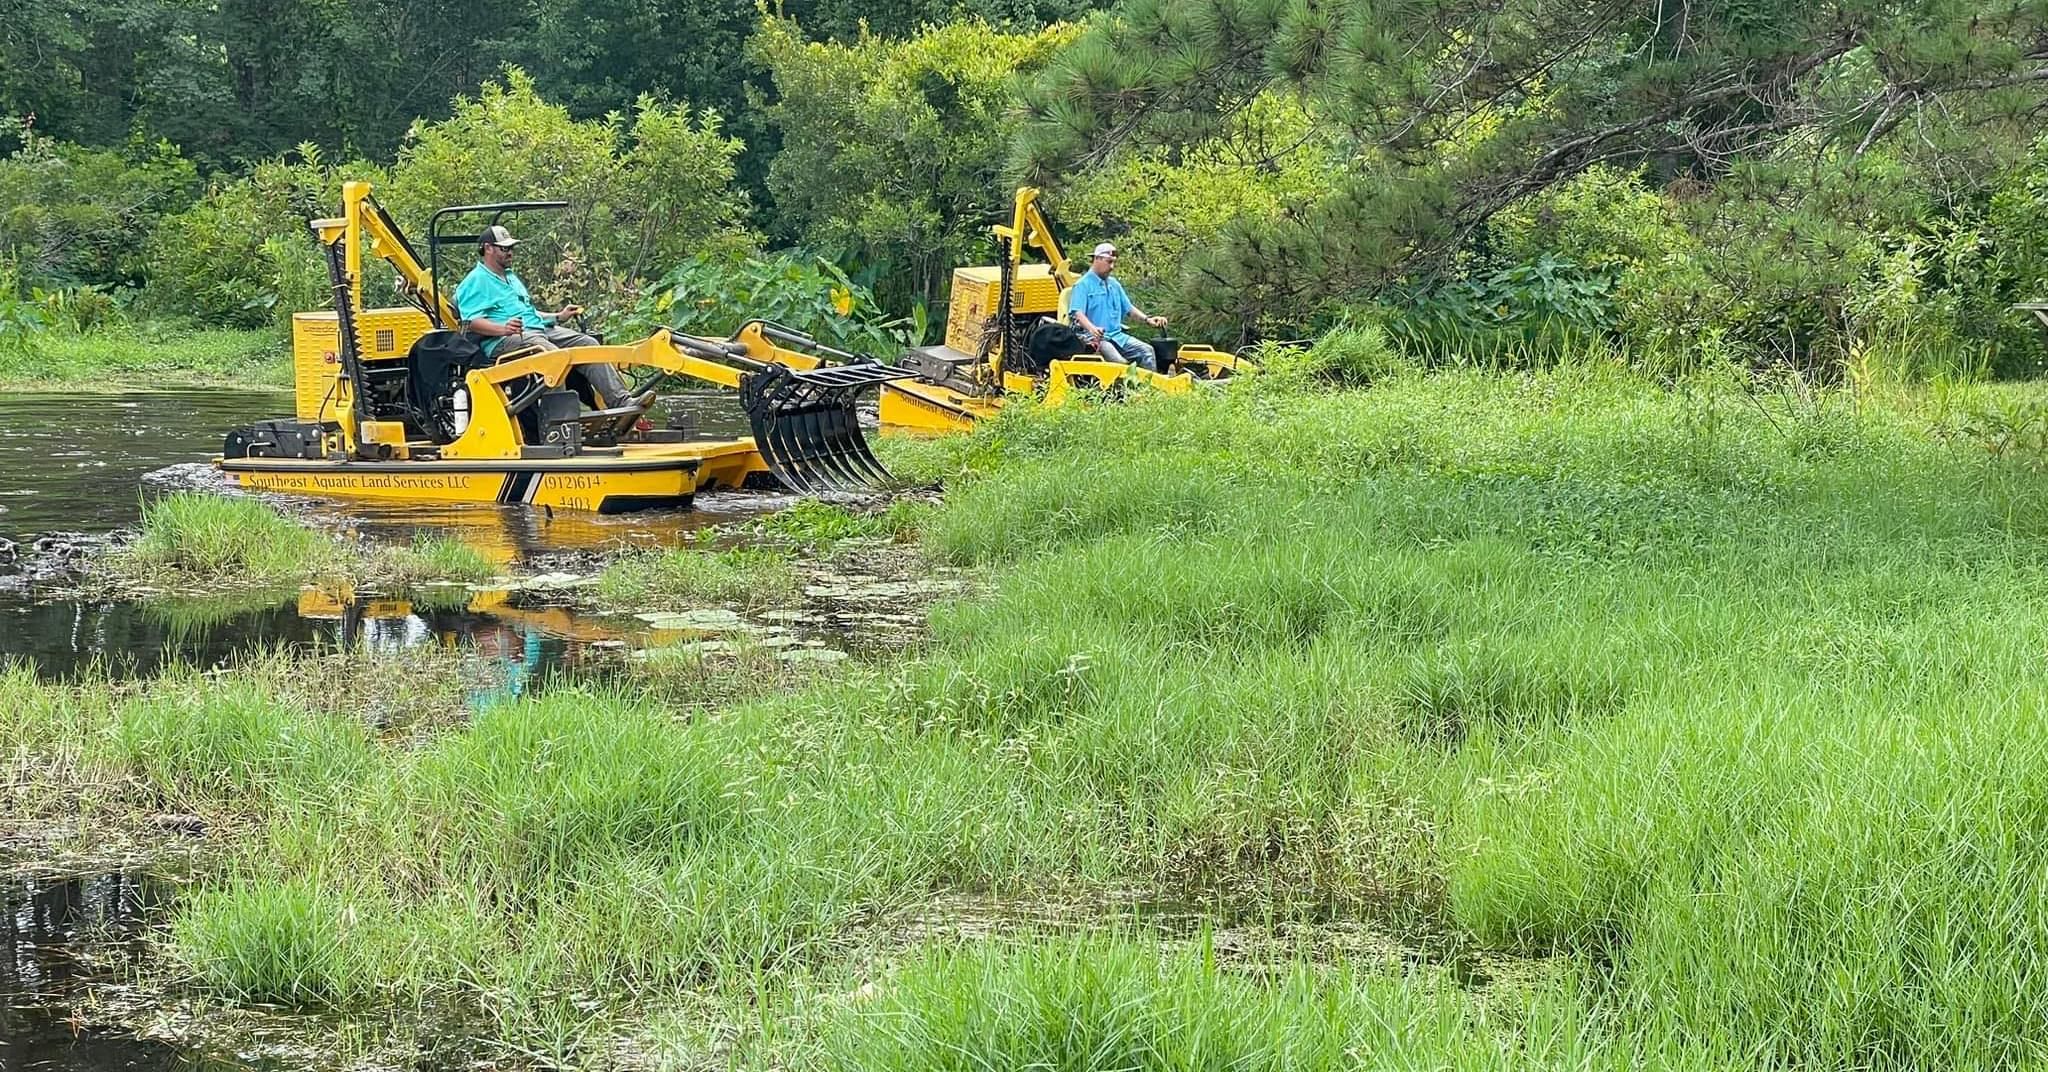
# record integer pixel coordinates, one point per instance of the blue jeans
(1124, 349)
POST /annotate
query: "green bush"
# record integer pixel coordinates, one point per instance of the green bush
(713, 293)
(72, 215)
(643, 191)
(244, 255)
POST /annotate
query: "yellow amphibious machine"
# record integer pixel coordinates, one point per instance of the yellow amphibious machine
(400, 403)
(1006, 334)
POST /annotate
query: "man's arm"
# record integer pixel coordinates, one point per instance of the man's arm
(1132, 308)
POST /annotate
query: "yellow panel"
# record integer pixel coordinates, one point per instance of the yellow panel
(387, 334)
(314, 363)
(976, 292)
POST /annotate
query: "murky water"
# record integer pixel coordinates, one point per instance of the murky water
(81, 463)
(44, 925)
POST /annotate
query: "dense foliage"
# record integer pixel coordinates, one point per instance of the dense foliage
(1840, 188)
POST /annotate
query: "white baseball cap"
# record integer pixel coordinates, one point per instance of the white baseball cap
(1103, 250)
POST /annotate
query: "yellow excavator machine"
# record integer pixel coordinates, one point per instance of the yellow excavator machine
(1007, 334)
(400, 403)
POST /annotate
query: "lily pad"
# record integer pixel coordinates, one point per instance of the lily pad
(707, 620)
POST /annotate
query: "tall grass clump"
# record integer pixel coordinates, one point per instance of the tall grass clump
(752, 576)
(231, 743)
(436, 558)
(1063, 1004)
(191, 539)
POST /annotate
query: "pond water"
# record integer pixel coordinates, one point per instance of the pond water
(76, 466)
(44, 924)
(77, 461)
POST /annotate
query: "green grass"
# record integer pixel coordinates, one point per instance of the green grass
(231, 744)
(434, 558)
(1061, 1005)
(150, 354)
(195, 540)
(643, 580)
(1726, 702)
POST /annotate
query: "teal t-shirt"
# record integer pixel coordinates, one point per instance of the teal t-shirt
(483, 294)
(1104, 302)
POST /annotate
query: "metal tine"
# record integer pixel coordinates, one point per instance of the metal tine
(824, 426)
(851, 442)
(777, 443)
(870, 466)
(825, 432)
(801, 438)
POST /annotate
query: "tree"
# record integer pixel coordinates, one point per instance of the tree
(892, 152)
(1459, 107)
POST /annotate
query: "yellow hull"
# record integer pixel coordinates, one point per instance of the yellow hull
(921, 408)
(639, 477)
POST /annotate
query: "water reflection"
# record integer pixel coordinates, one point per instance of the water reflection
(43, 925)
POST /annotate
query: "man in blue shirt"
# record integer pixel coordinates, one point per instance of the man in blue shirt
(1099, 304)
(494, 305)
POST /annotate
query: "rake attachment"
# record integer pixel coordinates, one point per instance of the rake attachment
(805, 426)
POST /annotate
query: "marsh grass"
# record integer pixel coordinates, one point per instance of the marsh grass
(1061, 1004)
(1724, 701)
(430, 557)
(749, 576)
(152, 355)
(192, 540)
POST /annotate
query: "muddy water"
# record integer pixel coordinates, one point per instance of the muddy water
(44, 925)
(76, 461)
(76, 466)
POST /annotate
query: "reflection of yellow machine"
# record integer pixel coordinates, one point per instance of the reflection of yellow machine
(400, 404)
(1002, 338)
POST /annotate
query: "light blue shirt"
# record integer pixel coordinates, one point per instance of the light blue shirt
(483, 294)
(1103, 300)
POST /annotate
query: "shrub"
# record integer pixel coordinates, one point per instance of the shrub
(244, 255)
(71, 215)
(711, 293)
(642, 192)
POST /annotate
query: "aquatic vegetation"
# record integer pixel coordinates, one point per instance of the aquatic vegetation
(750, 576)
(1718, 702)
(433, 557)
(1061, 1004)
(194, 540)
(231, 744)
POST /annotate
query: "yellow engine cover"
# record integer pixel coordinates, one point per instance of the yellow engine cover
(976, 292)
(387, 335)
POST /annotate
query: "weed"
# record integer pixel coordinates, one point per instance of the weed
(751, 576)
(195, 540)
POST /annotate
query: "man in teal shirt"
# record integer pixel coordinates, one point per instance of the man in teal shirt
(1099, 304)
(494, 305)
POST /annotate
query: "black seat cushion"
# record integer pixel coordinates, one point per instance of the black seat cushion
(439, 361)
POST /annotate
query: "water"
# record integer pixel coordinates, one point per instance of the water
(82, 463)
(44, 924)
(75, 461)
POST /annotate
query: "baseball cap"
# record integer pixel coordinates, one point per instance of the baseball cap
(495, 235)
(1103, 250)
